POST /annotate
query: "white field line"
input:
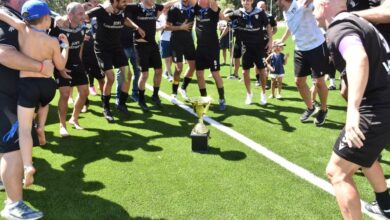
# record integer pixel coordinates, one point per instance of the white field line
(293, 168)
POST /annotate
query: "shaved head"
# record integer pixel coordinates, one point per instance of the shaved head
(262, 5)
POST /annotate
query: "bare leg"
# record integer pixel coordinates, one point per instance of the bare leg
(157, 77)
(125, 70)
(304, 91)
(63, 104)
(340, 174)
(109, 82)
(280, 85)
(217, 79)
(313, 93)
(190, 71)
(80, 101)
(273, 85)
(376, 177)
(200, 77)
(42, 116)
(236, 66)
(322, 91)
(12, 175)
(25, 118)
(247, 81)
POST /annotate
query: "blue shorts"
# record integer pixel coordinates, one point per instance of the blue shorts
(165, 49)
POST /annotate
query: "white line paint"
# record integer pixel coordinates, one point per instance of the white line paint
(293, 168)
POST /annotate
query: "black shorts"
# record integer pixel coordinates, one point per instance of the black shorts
(9, 140)
(207, 58)
(34, 92)
(253, 54)
(237, 50)
(78, 74)
(109, 59)
(92, 69)
(224, 42)
(375, 125)
(148, 56)
(313, 62)
(180, 49)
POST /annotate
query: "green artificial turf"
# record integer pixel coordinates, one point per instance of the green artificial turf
(142, 167)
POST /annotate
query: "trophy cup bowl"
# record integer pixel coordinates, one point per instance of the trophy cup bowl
(200, 133)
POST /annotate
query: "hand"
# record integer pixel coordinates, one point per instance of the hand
(48, 68)
(353, 134)
(141, 32)
(60, 21)
(64, 74)
(87, 37)
(63, 38)
(186, 26)
(108, 7)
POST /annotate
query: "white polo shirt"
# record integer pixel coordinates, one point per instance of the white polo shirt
(303, 26)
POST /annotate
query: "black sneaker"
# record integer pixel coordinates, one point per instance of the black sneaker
(156, 100)
(332, 88)
(374, 208)
(107, 115)
(307, 114)
(123, 109)
(143, 106)
(321, 116)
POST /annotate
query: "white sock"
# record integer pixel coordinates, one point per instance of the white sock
(332, 82)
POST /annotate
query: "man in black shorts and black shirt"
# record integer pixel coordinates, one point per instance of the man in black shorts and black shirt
(144, 15)
(357, 47)
(180, 21)
(74, 30)
(250, 22)
(109, 52)
(11, 62)
(207, 50)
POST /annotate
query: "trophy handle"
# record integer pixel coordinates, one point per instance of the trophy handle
(207, 107)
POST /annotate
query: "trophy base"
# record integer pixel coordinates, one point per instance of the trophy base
(200, 142)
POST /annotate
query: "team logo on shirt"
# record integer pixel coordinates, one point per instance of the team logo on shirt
(256, 17)
(343, 143)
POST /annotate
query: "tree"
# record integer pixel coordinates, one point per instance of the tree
(59, 6)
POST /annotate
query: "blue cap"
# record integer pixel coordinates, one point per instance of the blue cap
(34, 9)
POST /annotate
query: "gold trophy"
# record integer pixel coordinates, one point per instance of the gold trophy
(200, 133)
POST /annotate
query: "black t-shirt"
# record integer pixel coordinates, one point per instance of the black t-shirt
(250, 25)
(272, 22)
(75, 38)
(145, 18)
(206, 26)
(88, 48)
(108, 27)
(358, 5)
(127, 37)
(9, 36)
(377, 91)
(177, 15)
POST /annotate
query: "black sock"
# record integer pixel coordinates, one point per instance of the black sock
(102, 98)
(221, 93)
(383, 200)
(86, 102)
(186, 82)
(174, 88)
(123, 98)
(258, 77)
(141, 96)
(106, 102)
(203, 92)
(155, 91)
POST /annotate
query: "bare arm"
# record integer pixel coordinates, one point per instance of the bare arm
(183, 27)
(14, 22)
(60, 58)
(269, 32)
(285, 59)
(274, 30)
(224, 32)
(132, 24)
(13, 59)
(357, 73)
(286, 35)
(380, 14)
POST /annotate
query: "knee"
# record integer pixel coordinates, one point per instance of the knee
(84, 93)
(64, 95)
(299, 83)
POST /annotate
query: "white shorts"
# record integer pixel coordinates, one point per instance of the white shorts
(275, 76)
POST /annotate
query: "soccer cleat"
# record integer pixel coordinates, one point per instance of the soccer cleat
(123, 109)
(143, 107)
(20, 211)
(331, 87)
(279, 96)
(257, 84)
(92, 90)
(165, 75)
(183, 94)
(373, 207)
(63, 132)
(307, 114)
(70, 101)
(263, 99)
(248, 99)
(156, 100)
(222, 105)
(174, 99)
(84, 109)
(321, 116)
(271, 97)
(108, 116)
